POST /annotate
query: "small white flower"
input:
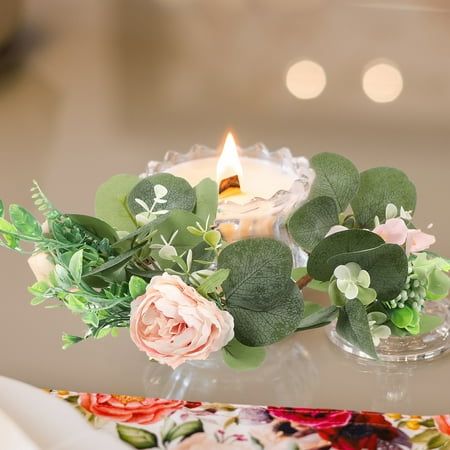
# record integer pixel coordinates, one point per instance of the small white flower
(349, 278)
(391, 211)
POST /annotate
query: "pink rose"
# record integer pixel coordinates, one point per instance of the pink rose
(124, 408)
(173, 323)
(394, 231)
(417, 241)
(41, 265)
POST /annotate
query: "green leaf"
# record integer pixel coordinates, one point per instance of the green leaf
(257, 328)
(336, 244)
(137, 437)
(207, 200)
(180, 194)
(429, 323)
(311, 222)
(387, 266)
(438, 441)
(74, 303)
(95, 226)
(336, 177)
(111, 202)
(62, 277)
(137, 286)
(69, 340)
(24, 221)
(379, 187)
(5, 226)
(76, 265)
(367, 295)
(91, 318)
(114, 264)
(184, 430)
(37, 301)
(241, 357)
(336, 296)
(39, 288)
(2, 209)
(213, 282)
(317, 318)
(438, 285)
(353, 326)
(260, 272)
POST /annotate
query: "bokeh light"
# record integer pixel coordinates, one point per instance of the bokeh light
(382, 82)
(306, 79)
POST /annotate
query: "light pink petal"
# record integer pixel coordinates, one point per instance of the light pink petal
(417, 241)
(394, 231)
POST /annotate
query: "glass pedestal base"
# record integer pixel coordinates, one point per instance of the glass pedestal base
(410, 348)
(212, 380)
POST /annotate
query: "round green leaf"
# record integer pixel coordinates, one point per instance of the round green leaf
(111, 202)
(401, 317)
(180, 194)
(137, 437)
(336, 177)
(344, 242)
(256, 328)
(311, 222)
(207, 200)
(379, 187)
(387, 265)
(260, 272)
(240, 357)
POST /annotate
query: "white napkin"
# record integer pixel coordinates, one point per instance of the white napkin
(12, 437)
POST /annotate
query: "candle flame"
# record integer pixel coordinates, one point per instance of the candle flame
(229, 165)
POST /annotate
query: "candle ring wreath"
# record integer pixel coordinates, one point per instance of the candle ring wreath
(152, 261)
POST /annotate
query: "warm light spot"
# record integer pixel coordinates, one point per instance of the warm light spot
(382, 82)
(306, 79)
(229, 164)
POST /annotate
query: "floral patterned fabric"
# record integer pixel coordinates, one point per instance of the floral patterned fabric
(173, 424)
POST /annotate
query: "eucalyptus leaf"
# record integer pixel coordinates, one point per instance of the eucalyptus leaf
(336, 177)
(338, 243)
(260, 273)
(429, 323)
(387, 266)
(353, 326)
(256, 328)
(317, 316)
(241, 357)
(207, 200)
(95, 226)
(311, 222)
(379, 187)
(111, 201)
(137, 437)
(24, 221)
(180, 194)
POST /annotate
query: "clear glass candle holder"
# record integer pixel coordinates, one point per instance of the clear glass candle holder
(259, 217)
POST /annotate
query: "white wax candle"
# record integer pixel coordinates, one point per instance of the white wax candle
(260, 178)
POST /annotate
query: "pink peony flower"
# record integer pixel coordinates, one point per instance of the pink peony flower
(417, 241)
(128, 409)
(41, 266)
(394, 231)
(173, 323)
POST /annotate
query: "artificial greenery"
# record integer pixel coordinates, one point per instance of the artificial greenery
(160, 224)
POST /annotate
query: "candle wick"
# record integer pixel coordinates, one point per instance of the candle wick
(229, 186)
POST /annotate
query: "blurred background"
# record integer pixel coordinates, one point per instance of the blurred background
(90, 88)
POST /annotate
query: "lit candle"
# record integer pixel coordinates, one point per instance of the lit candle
(258, 178)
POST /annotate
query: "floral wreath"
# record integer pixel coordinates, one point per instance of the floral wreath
(152, 261)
